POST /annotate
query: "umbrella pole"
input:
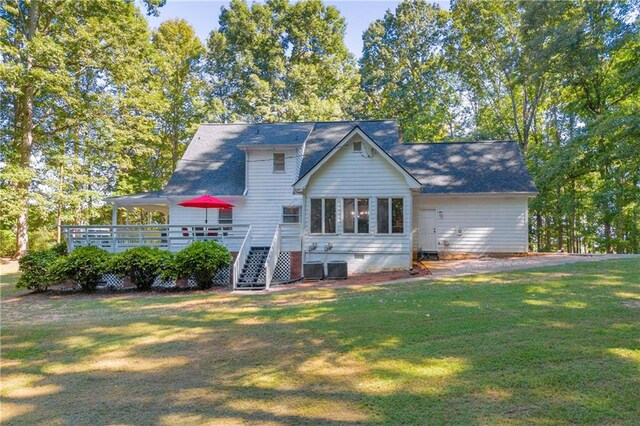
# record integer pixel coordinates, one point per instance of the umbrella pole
(206, 216)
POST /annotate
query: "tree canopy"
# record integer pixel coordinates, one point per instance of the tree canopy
(95, 103)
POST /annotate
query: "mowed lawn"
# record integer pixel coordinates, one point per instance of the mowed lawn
(550, 346)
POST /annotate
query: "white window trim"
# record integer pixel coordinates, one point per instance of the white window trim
(323, 217)
(355, 220)
(390, 216)
(283, 215)
(284, 162)
(230, 220)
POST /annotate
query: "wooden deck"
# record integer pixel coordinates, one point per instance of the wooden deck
(118, 238)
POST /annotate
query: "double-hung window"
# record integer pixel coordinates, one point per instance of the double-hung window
(225, 216)
(323, 215)
(355, 216)
(390, 215)
(291, 214)
(278, 162)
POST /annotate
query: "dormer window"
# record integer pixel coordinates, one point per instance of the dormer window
(278, 162)
(357, 146)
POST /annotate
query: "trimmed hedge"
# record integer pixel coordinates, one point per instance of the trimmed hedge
(85, 266)
(142, 264)
(36, 267)
(200, 260)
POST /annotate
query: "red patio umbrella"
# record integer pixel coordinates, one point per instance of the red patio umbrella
(206, 202)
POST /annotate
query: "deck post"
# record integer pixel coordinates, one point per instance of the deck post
(114, 214)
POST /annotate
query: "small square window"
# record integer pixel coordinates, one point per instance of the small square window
(225, 216)
(278, 162)
(291, 214)
(357, 146)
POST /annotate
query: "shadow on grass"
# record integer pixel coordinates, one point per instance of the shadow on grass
(466, 350)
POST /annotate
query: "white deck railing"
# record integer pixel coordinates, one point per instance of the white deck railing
(272, 257)
(118, 238)
(241, 258)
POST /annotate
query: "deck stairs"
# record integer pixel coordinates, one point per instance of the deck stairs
(252, 276)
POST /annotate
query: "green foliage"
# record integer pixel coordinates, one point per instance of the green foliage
(277, 61)
(84, 265)
(142, 264)
(7, 243)
(115, 104)
(200, 260)
(36, 268)
(403, 72)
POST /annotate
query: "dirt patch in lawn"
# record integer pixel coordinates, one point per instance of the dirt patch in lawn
(360, 279)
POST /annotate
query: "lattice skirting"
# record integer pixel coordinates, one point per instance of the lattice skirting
(223, 277)
(111, 281)
(283, 267)
(160, 283)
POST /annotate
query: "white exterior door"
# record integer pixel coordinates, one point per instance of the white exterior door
(427, 229)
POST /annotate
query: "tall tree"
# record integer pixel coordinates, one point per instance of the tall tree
(594, 51)
(178, 68)
(62, 66)
(175, 103)
(496, 56)
(404, 74)
(281, 61)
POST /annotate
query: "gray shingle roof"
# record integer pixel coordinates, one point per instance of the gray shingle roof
(466, 167)
(214, 162)
(327, 134)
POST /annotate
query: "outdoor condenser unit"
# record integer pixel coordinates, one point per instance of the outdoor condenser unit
(313, 270)
(337, 270)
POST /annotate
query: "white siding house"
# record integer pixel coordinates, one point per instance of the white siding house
(350, 191)
(341, 178)
(464, 224)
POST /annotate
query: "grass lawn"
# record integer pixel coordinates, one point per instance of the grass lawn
(551, 346)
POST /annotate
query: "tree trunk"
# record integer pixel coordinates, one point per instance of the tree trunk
(607, 236)
(539, 231)
(559, 221)
(59, 209)
(547, 235)
(26, 142)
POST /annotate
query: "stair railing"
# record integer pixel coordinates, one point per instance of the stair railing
(241, 258)
(272, 257)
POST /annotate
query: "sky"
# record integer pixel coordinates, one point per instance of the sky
(203, 16)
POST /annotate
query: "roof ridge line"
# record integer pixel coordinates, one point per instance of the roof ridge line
(459, 142)
(300, 122)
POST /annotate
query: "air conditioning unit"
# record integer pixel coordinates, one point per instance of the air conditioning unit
(313, 270)
(337, 270)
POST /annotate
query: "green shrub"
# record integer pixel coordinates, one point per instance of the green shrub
(36, 268)
(200, 260)
(7, 243)
(142, 264)
(85, 266)
(60, 249)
